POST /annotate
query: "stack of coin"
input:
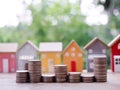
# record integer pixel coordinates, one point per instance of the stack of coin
(74, 77)
(87, 78)
(61, 73)
(22, 76)
(34, 70)
(100, 68)
(48, 78)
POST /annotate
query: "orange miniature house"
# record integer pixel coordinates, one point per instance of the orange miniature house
(50, 54)
(73, 57)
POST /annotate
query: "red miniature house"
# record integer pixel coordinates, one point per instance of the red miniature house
(115, 54)
(8, 57)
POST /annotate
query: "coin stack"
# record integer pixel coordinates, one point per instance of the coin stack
(74, 77)
(34, 70)
(87, 78)
(48, 78)
(61, 73)
(22, 76)
(100, 68)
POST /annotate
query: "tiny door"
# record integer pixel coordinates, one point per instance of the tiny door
(117, 64)
(5, 65)
(91, 65)
(50, 66)
(73, 66)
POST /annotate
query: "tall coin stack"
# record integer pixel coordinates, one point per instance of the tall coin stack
(61, 73)
(100, 68)
(22, 76)
(34, 67)
(74, 77)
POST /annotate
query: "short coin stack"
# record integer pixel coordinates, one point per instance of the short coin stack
(74, 77)
(48, 78)
(61, 73)
(34, 67)
(100, 68)
(87, 78)
(22, 76)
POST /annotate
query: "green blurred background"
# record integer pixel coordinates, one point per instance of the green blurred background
(61, 20)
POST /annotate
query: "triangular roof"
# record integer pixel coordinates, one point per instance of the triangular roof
(72, 41)
(50, 47)
(8, 47)
(29, 42)
(114, 40)
(93, 41)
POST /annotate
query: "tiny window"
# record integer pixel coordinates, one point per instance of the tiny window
(73, 48)
(79, 55)
(90, 51)
(25, 57)
(12, 56)
(104, 51)
(119, 46)
(58, 55)
(31, 57)
(21, 57)
(116, 59)
(67, 54)
(43, 55)
(73, 54)
(116, 62)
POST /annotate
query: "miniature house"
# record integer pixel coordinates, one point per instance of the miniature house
(115, 54)
(96, 47)
(50, 54)
(73, 57)
(8, 57)
(27, 51)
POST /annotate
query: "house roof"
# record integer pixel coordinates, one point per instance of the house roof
(50, 47)
(114, 40)
(72, 41)
(8, 47)
(93, 41)
(29, 42)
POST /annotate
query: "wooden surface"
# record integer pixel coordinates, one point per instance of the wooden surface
(7, 82)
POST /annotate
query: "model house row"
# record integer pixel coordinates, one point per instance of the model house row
(52, 53)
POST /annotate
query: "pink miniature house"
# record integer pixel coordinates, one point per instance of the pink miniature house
(115, 54)
(8, 57)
